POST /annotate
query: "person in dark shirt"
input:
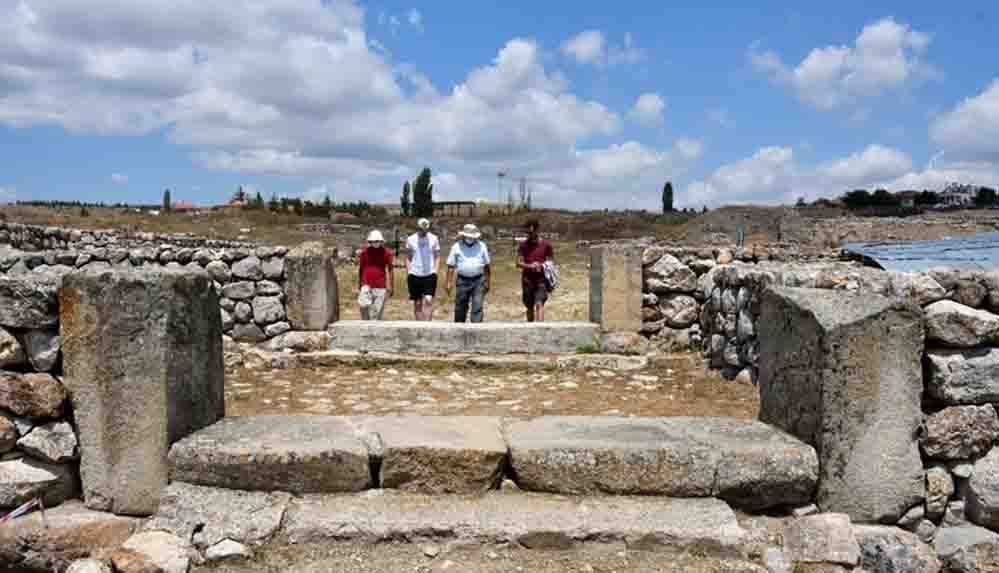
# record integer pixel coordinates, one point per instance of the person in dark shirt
(532, 255)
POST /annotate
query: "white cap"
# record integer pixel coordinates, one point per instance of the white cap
(423, 224)
(470, 231)
(375, 235)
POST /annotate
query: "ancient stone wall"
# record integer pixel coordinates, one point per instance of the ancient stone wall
(39, 452)
(249, 279)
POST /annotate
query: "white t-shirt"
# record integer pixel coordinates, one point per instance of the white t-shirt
(422, 251)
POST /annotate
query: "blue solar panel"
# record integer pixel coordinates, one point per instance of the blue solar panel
(972, 253)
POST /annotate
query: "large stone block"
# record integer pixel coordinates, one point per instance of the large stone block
(963, 376)
(32, 395)
(616, 288)
(29, 300)
(142, 353)
(297, 454)
(311, 288)
(419, 337)
(746, 463)
(23, 479)
(438, 454)
(843, 373)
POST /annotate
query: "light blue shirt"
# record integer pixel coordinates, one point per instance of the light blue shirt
(469, 260)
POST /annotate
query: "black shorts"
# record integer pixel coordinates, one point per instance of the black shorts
(534, 293)
(420, 287)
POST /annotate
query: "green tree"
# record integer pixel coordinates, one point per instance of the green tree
(404, 201)
(273, 205)
(167, 204)
(423, 194)
(668, 197)
(240, 194)
(258, 201)
(985, 197)
(857, 199)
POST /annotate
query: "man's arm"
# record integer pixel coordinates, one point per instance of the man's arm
(360, 271)
(391, 280)
(449, 280)
(489, 276)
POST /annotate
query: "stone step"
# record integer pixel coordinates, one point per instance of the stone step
(411, 337)
(747, 463)
(533, 520)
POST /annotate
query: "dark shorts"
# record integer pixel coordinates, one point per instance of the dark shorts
(535, 292)
(420, 287)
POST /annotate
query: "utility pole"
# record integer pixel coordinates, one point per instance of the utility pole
(499, 187)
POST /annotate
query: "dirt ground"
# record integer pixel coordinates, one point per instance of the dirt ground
(678, 385)
(464, 557)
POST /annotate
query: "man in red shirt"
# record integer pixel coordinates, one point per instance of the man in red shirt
(375, 278)
(532, 255)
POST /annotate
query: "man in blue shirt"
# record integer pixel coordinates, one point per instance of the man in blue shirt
(469, 259)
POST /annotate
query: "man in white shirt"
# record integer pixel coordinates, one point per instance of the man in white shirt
(469, 259)
(423, 251)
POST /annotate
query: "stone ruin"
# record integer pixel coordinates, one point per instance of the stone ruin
(877, 395)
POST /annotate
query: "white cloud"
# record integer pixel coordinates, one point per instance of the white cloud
(585, 47)
(317, 193)
(971, 129)
(648, 110)
(591, 47)
(119, 178)
(7, 194)
(772, 175)
(277, 87)
(886, 56)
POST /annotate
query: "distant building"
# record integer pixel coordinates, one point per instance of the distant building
(958, 195)
(183, 207)
(907, 199)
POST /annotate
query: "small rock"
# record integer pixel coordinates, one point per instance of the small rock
(912, 517)
(42, 347)
(227, 549)
(966, 547)
(8, 435)
(249, 269)
(32, 395)
(243, 312)
(54, 442)
(960, 432)
(168, 552)
(892, 550)
(822, 538)
(803, 511)
(11, 352)
(88, 566)
(276, 329)
(939, 488)
(431, 551)
(955, 514)
(954, 324)
(925, 530)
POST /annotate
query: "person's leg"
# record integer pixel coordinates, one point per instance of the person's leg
(417, 309)
(366, 312)
(527, 296)
(378, 303)
(540, 298)
(478, 299)
(539, 312)
(428, 308)
(461, 296)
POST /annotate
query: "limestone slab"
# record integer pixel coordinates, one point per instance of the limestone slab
(954, 324)
(751, 465)
(23, 479)
(208, 515)
(705, 525)
(29, 301)
(142, 354)
(843, 372)
(890, 549)
(311, 287)
(413, 337)
(438, 454)
(297, 454)
(616, 288)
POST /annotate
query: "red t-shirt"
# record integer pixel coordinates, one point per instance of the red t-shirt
(537, 252)
(373, 262)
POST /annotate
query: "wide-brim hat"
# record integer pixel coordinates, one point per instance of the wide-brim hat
(470, 231)
(375, 236)
(423, 224)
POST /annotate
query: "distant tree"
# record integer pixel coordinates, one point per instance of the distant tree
(530, 199)
(273, 204)
(927, 198)
(404, 201)
(167, 204)
(985, 197)
(857, 199)
(327, 206)
(883, 198)
(668, 197)
(800, 202)
(240, 195)
(423, 194)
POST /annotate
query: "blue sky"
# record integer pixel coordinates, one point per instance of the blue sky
(596, 104)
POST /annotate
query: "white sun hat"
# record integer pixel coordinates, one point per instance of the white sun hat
(470, 231)
(374, 236)
(423, 224)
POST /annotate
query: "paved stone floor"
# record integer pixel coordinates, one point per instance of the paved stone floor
(676, 385)
(356, 557)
